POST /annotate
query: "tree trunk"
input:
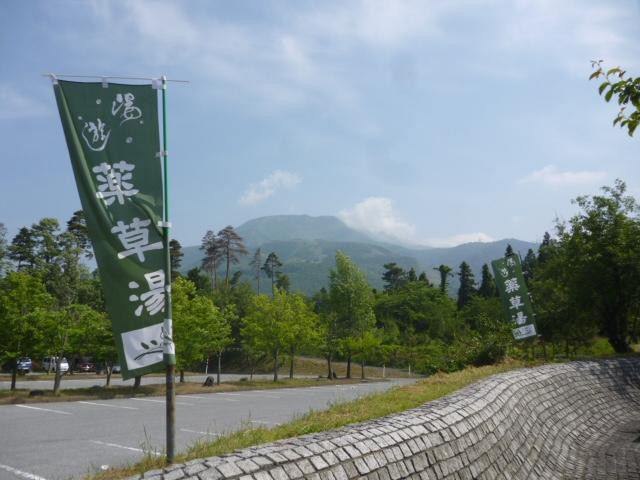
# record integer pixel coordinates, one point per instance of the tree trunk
(219, 367)
(291, 365)
(258, 282)
(275, 366)
(109, 372)
(226, 276)
(273, 283)
(362, 368)
(253, 369)
(349, 366)
(181, 376)
(329, 376)
(58, 377)
(137, 381)
(544, 350)
(14, 373)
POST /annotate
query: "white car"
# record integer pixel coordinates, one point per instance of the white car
(49, 364)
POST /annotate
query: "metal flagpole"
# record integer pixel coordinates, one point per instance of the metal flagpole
(169, 349)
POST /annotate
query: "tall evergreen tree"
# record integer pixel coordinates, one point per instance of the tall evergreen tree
(256, 267)
(423, 278)
(509, 250)
(22, 249)
(232, 247)
(394, 276)
(77, 226)
(487, 284)
(212, 256)
(272, 268)
(529, 265)
(547, 242)
(283, 282)
(175, 254)
(445, 273)
(411, 275)
(467, 285)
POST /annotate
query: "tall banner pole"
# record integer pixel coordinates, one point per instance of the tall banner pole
(169, 349)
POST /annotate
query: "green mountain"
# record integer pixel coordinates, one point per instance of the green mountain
(307, 245)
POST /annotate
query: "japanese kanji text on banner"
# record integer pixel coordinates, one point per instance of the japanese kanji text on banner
(112, 133)
(515, 296)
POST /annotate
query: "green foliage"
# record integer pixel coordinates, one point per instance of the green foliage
(625, 89)
(467, 285)
(487, 284)
(445, 273)
(175, 257)
(272, 269)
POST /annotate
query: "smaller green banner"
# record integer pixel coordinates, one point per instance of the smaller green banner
(515, 295)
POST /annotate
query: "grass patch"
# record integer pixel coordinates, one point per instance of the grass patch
(362, 409)
(186, 388)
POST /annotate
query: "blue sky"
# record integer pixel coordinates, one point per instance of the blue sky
(437, 121)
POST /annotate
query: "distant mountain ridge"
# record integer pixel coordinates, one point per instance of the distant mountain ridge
(306, 246)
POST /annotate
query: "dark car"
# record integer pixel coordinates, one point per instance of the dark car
(85, 365)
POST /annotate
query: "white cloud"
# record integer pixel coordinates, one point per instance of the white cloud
(16, 105)
(277, 180)
(376, 215)
(551, 175)
(459, 239)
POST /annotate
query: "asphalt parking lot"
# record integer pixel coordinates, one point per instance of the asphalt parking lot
(70, 439)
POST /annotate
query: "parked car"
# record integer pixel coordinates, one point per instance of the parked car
(49, 364)
(24, 365)
(85, 365)
(115, 369)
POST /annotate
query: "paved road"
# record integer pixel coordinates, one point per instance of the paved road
(67, 440)
(70, 382)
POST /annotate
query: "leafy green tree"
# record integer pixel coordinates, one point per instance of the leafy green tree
(264, 329)
(217, 326)
(194, 317)
(22, 249)
(445, 273)
(231, 247)
(352, 300)
(24, 302)
(487, 284)
(328, 328)
(547, 242)
(603, 243)
(301, 330)
(411, 275)
(467, 285)
(175, 256)
(212, 256)
(529, 265)
(625, 89)
(272, 268)
(256, 268)
(394, 276)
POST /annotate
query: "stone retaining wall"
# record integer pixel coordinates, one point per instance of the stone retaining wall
(567, 421)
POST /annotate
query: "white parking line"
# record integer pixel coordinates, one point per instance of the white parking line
(193, 396)
(44, 409)
(201, 433)
(115, 445)
(20, 473)
(159, 401)
(258, 394)
(107, 405)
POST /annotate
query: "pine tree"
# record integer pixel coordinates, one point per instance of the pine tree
(445, 273)
(411, 275)
(487, 285)
(212, 256)
(272, 268)
(529, 265)
(175, 254)
(467, 285)
(77, 226)
(256, 267)
(394, 276)
(509, 250)
(282, 282)
(547, 242)
(22, 249)
(231, 246)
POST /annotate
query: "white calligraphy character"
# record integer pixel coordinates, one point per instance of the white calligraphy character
(516, 302)
(153, 299)
(135, 238)
(114, 182)
(520, 318)
(511, 262)
(96, 135)
(511, 285)
(504, 272)
(123, 107)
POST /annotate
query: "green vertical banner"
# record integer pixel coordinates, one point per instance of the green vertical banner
(515, 296)
(112, 133)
